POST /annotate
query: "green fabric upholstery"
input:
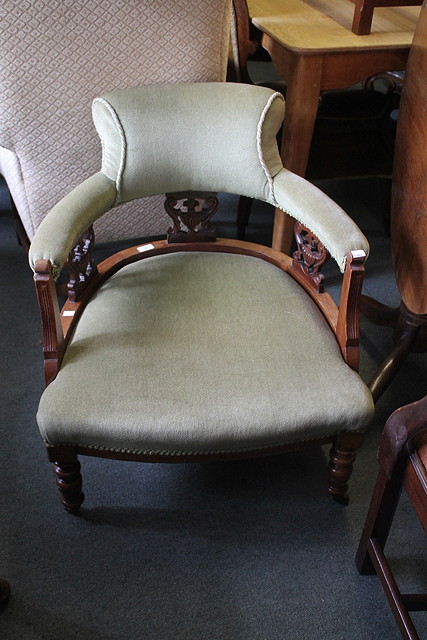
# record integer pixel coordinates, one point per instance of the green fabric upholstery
(204, 136)
(71, 217)
(201, 352)
(190, 137)
(306, 203)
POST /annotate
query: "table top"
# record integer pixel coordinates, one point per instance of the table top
(324, 26)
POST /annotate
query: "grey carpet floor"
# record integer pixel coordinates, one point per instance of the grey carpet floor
(221, 551)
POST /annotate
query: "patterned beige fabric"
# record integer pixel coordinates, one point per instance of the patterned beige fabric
(57, 55)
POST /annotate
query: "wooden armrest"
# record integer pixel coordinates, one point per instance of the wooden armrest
(348, 325)
(403, 427)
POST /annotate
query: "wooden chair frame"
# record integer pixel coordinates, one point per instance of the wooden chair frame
(400, 467)
(364, 12)
(304, 267)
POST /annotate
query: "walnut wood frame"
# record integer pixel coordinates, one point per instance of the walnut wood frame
(57, 327)
(400, 467)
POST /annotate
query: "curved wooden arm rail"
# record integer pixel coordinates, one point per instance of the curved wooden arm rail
(58, 325)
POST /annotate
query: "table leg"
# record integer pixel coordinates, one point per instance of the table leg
(303, 75)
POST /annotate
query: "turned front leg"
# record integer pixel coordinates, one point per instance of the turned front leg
(341, 457)
(69, 483)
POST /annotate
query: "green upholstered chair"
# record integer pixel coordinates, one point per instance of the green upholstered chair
(195, 348)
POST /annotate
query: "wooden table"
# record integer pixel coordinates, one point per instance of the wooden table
(313, 49)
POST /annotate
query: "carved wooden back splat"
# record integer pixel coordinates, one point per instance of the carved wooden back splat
(80, 265)
(309, 257)
(191, 219)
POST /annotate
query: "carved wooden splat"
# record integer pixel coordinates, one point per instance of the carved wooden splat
(191, 214)
(80, 265)
(309, 256)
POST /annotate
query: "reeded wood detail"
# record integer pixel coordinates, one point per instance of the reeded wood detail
(191, 214)
(80, 265)
(348, 326)
(309, 256)
(53, 341)
(69, 483)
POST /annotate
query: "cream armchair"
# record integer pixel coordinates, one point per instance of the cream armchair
(195, 348)
(56, 56)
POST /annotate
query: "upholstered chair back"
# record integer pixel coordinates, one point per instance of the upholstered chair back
(198, 137)
(57, 55)
(202, 137)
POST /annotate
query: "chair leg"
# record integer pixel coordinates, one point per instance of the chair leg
(341, 457)
(380, 516)
(69, 483)
(370, 557)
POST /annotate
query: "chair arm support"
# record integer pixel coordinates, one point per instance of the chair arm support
(403, 426)
(69, 219)
(318, 213)
(348, 332)
(52, 336)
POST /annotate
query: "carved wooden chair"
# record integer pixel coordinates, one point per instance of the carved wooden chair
(408, 221)
(364, 12)
(192, 348)
(402, 458)
(55, 56)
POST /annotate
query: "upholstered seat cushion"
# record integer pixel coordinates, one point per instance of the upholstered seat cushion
(201, 352)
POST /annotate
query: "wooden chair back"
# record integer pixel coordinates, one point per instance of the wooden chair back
(402, 457)
(364, 12)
